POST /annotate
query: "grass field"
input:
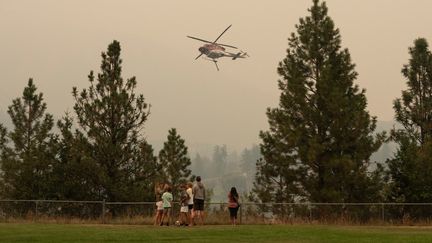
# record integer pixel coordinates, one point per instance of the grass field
(35, 232)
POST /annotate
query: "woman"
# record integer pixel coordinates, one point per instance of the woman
(159, 203)
(190, 202)
(233, 205)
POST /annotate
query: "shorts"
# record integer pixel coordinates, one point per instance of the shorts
(190, 206)
(233, 212)
(159, 205)
(198, 204)
(167, 210)
(184, 209)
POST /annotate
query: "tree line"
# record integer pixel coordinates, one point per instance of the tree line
(317, 148)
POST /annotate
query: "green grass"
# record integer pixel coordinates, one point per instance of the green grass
(35, 232)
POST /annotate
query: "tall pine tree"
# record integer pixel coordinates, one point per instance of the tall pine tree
(27, 163)
(411, 167)
(175, 161)
(112, 116)
(321, 137)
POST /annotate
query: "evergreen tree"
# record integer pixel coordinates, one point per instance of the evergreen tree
(112, 116)
(26, 165)
(175, 161)
(198, 165)
(151, 169)
(73, 171)
(321, 136)
(410, 169)
(249, 158)
(3, 140)
(219, 159)
(3, 155)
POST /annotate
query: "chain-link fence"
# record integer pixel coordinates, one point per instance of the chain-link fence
(217, 213)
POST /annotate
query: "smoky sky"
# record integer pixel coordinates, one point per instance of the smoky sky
(58, 42)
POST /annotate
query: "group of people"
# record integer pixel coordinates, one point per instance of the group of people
(192, 198)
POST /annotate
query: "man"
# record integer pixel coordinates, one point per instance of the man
(198, 191)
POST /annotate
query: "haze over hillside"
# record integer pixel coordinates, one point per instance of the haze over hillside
(206, 148)
(235, 172)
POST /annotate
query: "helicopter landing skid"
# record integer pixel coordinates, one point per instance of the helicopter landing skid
(214, 61)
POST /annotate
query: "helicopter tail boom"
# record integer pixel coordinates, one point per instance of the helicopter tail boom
(240, 55)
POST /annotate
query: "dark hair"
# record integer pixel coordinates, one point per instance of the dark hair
(198, 178)
(167, 188)
(233, 192)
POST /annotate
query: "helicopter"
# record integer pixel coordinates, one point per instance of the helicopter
(213, 50)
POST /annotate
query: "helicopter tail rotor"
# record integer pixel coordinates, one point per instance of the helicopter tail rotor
(241, 54)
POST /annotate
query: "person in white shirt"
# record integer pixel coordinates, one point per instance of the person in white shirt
(159, 203)
(190, 202)
(167, 199)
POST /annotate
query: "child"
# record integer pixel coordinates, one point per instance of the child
(159, 203)
(159, 211)
(167, 199)
(184, 199)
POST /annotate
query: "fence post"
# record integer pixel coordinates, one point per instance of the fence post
(241, 215)
(382, 212)
(103, 212)
(36, 209)
(310, 213)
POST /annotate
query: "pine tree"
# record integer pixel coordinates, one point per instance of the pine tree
(220, 159)
(410, 169)
(198, 165)
(249, 158)
(321, 137)
(26, 165)
(3, 140)
(3, 155)
(73, 171)
(112, 116)
(175, 161)
(151, 169)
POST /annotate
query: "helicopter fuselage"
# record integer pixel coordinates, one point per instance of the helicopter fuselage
(212, 51)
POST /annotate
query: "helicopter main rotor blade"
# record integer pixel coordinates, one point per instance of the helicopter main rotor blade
(226, 45)
(222, 34)
(206, 41)
(198, 56)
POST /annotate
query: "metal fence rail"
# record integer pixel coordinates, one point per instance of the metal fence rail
(217, 213)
